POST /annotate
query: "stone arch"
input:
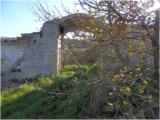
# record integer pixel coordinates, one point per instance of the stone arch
(56, 29)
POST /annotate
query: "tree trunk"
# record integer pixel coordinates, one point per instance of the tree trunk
(100, 60)
(60, 56)
(155, 45)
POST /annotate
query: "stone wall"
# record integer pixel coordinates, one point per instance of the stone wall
(31, 55)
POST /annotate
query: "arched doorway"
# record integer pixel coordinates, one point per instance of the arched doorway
(72, 23)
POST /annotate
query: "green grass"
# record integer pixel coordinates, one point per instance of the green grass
(28, 101)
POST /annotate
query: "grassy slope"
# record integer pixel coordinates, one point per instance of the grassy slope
(28, 101)
(78, 99)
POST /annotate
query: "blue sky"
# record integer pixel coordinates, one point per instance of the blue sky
(17, 18)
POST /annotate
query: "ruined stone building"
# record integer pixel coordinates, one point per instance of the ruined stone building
(35, 54)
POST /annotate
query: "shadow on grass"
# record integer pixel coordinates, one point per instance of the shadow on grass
(28, 102)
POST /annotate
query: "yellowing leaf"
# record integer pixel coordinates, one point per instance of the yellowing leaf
(116, 78)
(126, 69)
(141, 91)
(130, 54)
(129, 45)
(114, 14)
(125, 103)
(128, 27)
(149, 98)
(113, 51)
(138, 68)
(125, 90)
(145, 82)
